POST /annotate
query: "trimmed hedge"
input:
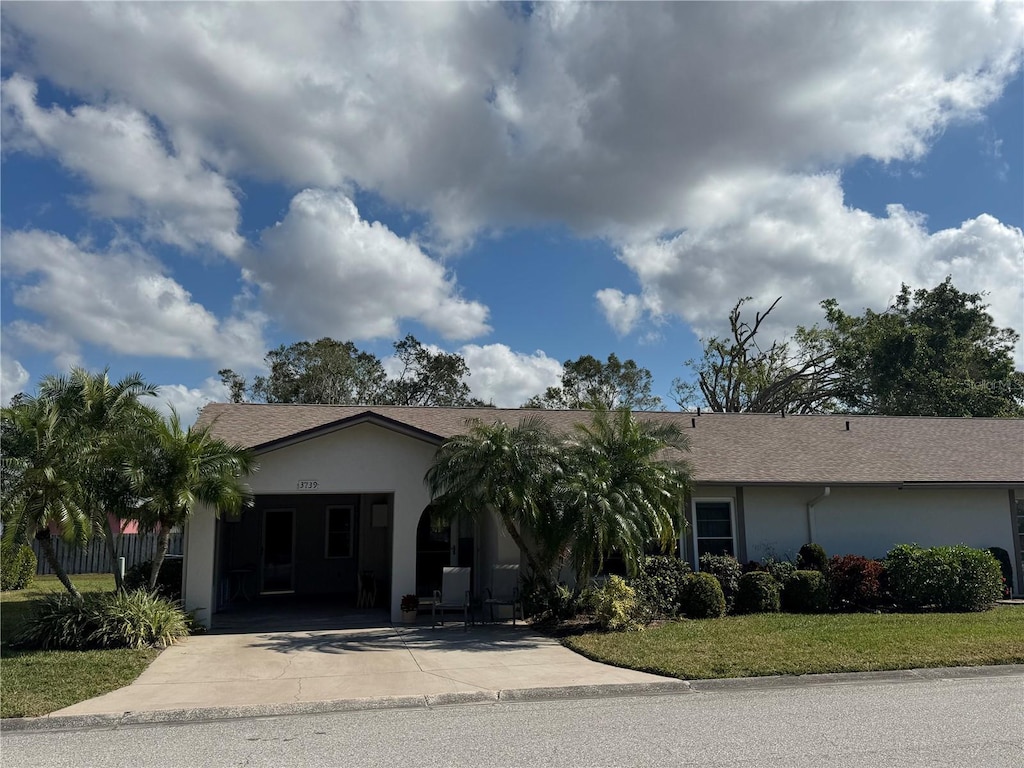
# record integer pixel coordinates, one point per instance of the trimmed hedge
(659, 584)
(957, 578)
(805, 592)
(727, 570)
(702, 597)
(17, 566)
(855, 583)
(758, 592)
(1003, 557)
(812, 557)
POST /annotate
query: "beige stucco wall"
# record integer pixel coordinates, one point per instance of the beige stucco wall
(365, 459)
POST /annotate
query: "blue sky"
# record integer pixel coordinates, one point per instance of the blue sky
(185, 187)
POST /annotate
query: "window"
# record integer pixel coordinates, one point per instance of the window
(339, 532)
(713, 527)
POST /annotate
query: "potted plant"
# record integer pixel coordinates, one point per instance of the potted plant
(410, 605)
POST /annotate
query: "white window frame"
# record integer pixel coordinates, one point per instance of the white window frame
(351, 531)
(693, 519)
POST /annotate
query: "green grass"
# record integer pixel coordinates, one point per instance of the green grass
(789, 644)
(35, 683)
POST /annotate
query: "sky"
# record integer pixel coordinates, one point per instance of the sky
(184, 187)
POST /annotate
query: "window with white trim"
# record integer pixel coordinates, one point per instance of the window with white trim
(339, 532)
(713, 527)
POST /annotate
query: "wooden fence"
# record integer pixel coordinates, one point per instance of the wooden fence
(133, 547)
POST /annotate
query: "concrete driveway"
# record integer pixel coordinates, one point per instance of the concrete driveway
(281, 667)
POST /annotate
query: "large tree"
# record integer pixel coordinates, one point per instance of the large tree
(741, 372)
(428, 378)
(588, 383)
(934, 352)
(174, 469)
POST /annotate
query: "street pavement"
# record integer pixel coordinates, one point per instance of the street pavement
(975, 719)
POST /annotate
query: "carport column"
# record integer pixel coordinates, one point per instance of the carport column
(200, 547)
(403, 549)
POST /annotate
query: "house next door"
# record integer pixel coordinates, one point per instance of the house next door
(278, 551)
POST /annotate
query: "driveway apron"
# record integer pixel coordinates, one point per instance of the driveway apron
(279, 667)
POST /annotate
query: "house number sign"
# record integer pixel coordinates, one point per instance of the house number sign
(307, 485)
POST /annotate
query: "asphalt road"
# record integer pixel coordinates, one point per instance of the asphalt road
(976, 722)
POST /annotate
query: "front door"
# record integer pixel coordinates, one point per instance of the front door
(278, 551)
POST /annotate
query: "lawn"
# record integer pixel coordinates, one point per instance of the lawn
(790, 644)
(38, 682)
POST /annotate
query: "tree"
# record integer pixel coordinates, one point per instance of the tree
(737, 374)
(933, 353)
(103, 420)
(42, 485)
(175, 469)
(428, 378)
(587, 383)
(624, 489)
(512, 470)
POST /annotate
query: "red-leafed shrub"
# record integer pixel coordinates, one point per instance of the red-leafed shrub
(855, 582)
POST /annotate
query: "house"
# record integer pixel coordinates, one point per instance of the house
(340, 499)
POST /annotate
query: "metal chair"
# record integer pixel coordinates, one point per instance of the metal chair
(455, 594)
(504, 590)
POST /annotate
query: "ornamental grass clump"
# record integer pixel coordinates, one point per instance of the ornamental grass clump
(136, 619)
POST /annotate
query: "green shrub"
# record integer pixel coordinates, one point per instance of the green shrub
(956, 578)
(702, 597)
(544, 603)
(134, 619)
(855, 582)
(168, 581)
(727, 570)
(17, 566)
(1005, 568)
(812, 557)
(615, 605)
(757, 592)
(659, 583)
(805, 592)
(780, 570)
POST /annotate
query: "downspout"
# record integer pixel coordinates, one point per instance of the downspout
(810, 512)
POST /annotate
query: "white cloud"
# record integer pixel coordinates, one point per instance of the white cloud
(117, 150)
(508, 378)
(792, 236)
(13, 378)
(188, 401)
(121, 299)
(622, 311)
(324, 271)
(484, 116)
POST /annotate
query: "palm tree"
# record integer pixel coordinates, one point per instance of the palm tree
(176, 469)
(512, 470)
(42, 484)
(106, 419)
(624, 489)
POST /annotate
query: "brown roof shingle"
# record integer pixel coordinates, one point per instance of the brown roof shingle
(736, 448)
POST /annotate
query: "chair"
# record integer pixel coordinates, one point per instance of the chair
(367, 590)
(504, 590)
(455, 595)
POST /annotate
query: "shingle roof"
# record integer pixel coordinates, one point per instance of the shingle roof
(738, 448)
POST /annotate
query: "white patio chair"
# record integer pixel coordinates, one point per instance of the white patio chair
(455, 595)
(504, 590)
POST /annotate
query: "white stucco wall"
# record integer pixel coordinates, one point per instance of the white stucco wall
(364, 458)
(869, 521)
(199, 550)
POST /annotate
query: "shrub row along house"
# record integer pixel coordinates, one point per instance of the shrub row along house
(340, 499)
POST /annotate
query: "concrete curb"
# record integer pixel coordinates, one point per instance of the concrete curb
(617, 690)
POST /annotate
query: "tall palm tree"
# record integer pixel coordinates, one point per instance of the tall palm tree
(624, 489)
(176, 469)
(510, 469)
(42, 485)
(106, 419)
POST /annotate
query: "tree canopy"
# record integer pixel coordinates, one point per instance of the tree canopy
(588, 383)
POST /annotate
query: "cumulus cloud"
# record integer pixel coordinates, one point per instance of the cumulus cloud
(188, 401)
(487, 116)
(117, 150)
(120, 299)
(792, 236)
(508, 378)
(324, 270)
(13, 378)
